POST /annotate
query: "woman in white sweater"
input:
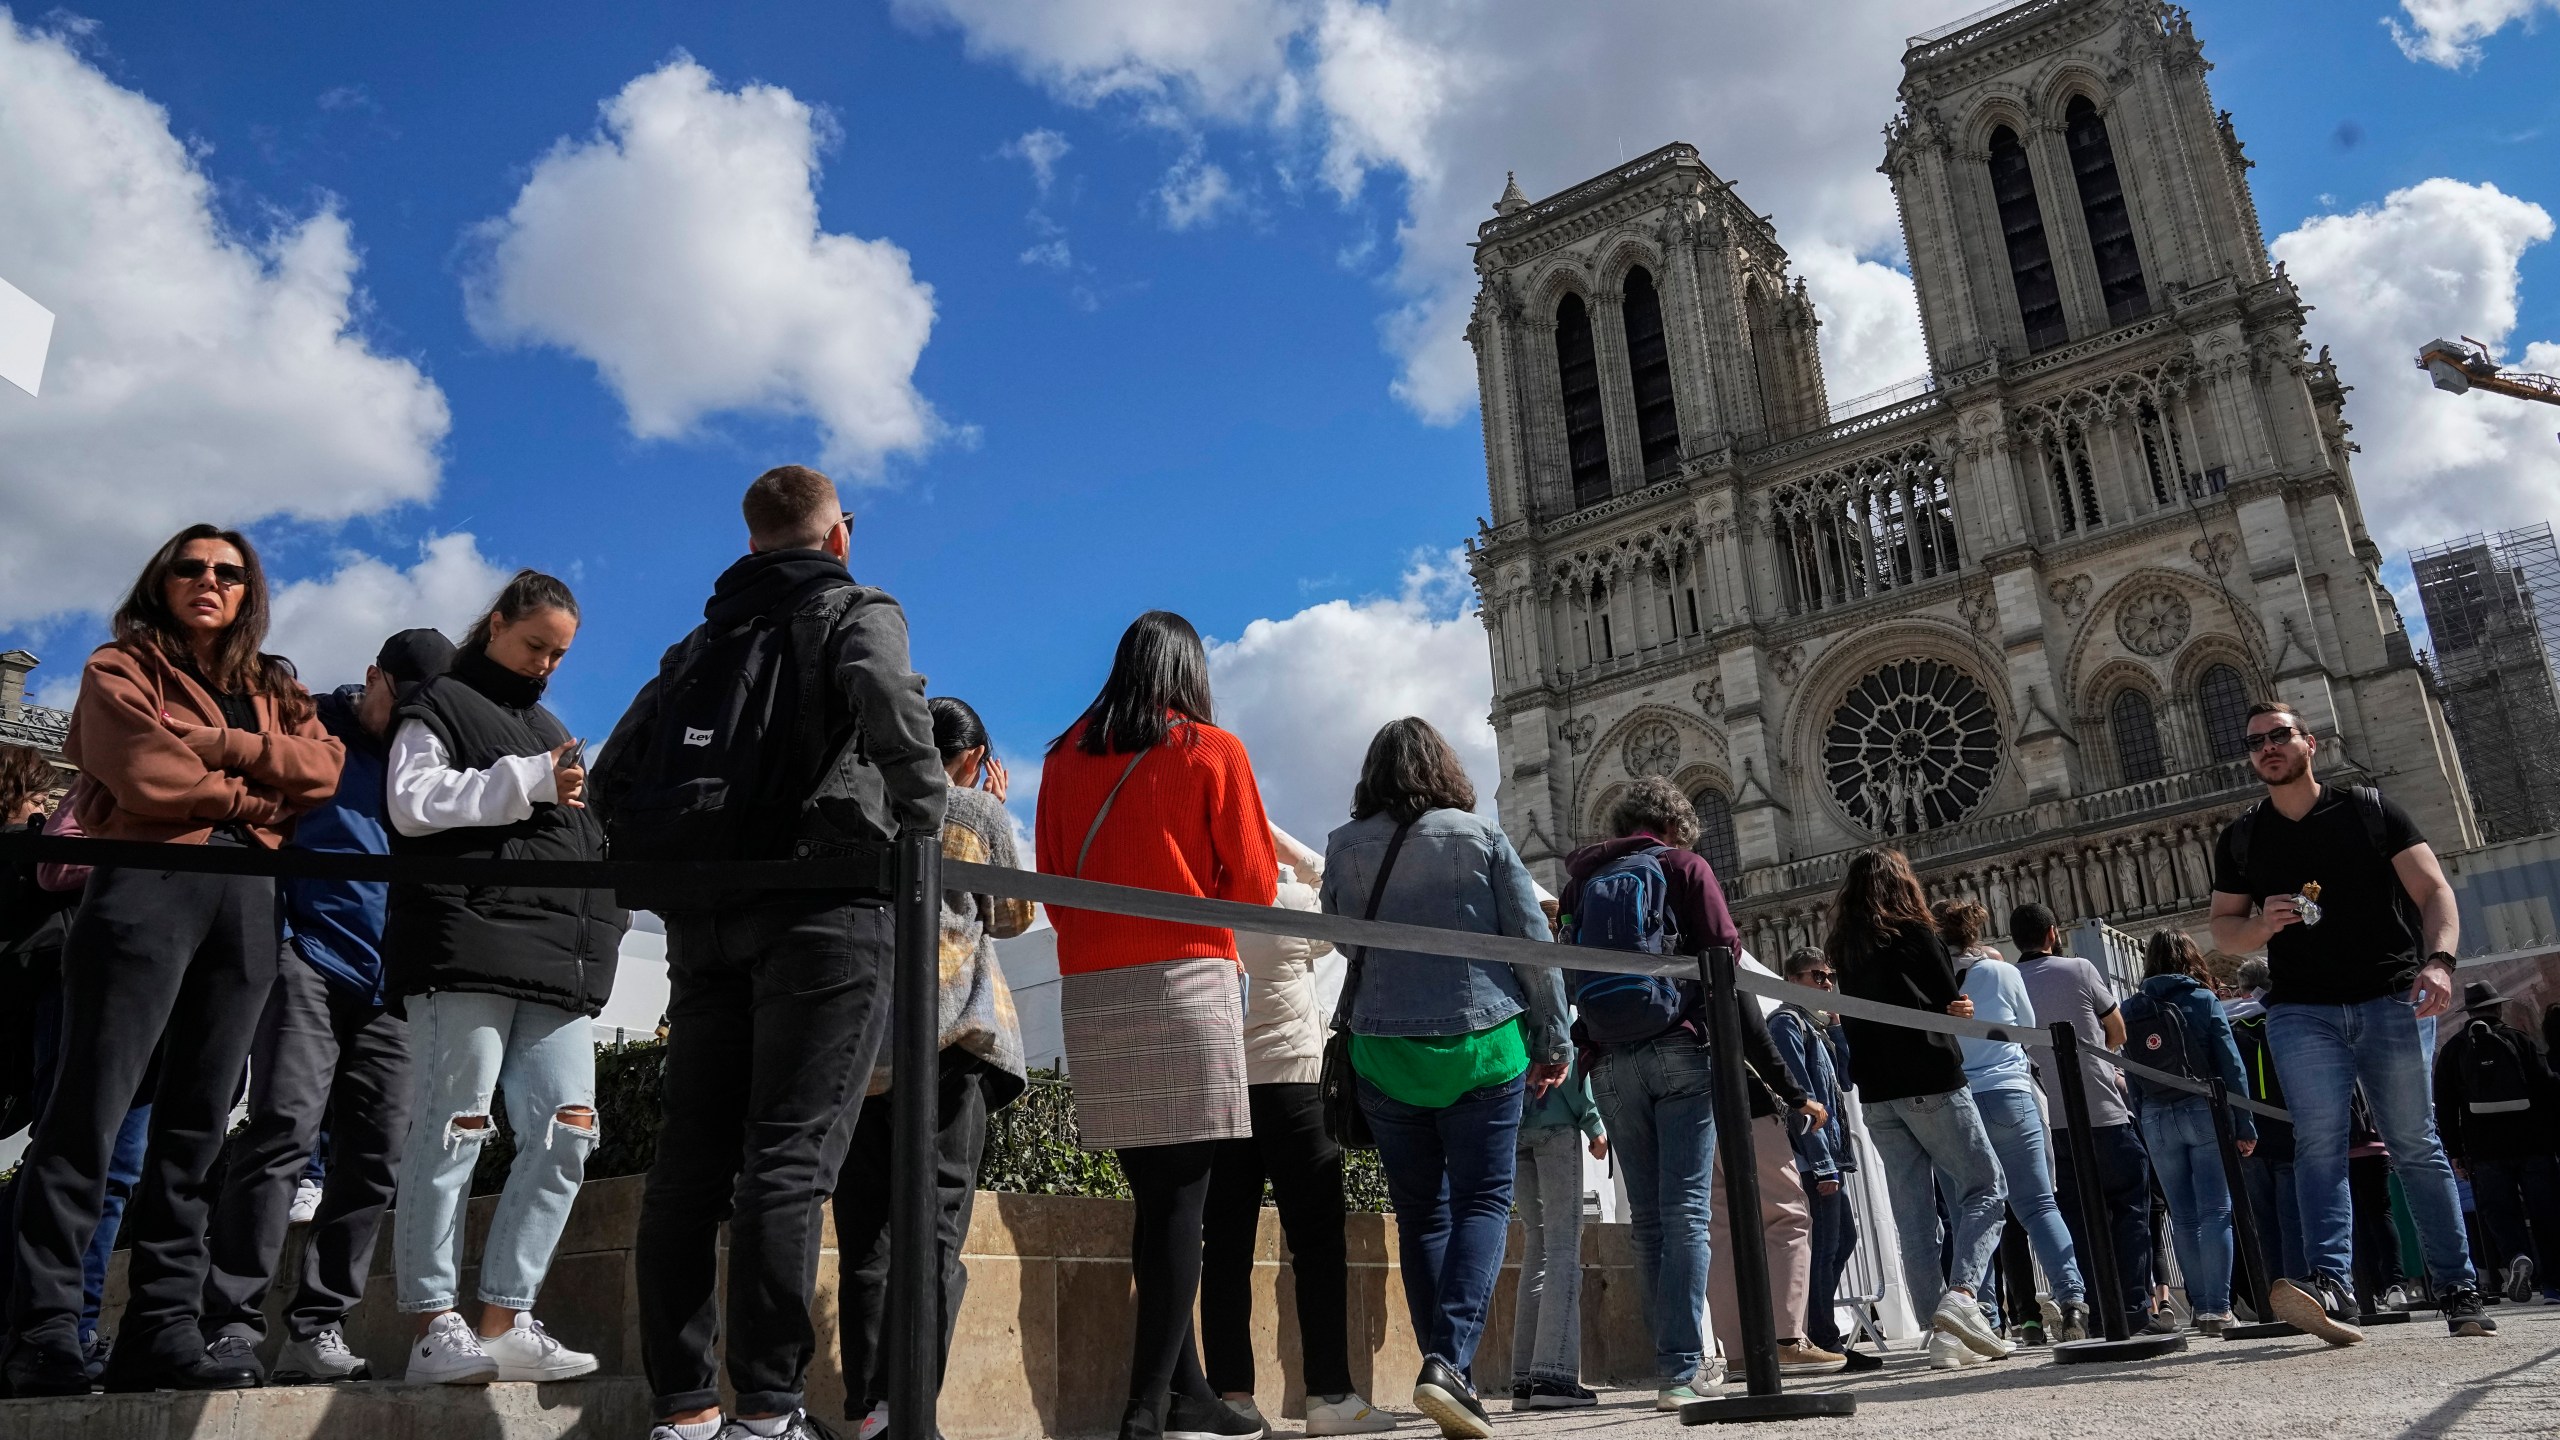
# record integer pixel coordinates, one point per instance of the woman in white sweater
(1284, 1031)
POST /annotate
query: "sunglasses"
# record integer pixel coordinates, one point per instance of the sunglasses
(229, 577)
(1817, 977)
(2281, 735)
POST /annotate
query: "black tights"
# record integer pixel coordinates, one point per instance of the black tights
(1170, 1184)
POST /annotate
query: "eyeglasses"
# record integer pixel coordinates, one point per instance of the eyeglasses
(1817, 977)
(229, 577)
(2281, 735)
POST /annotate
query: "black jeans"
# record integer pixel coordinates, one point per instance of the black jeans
(1289, 1148)
(323, 1059)
(862, 1222)
(146, 945)
(2124, 1190)
(1835, 1238)
(2376, 1239)
(1170, 1187)
(2519, 1203)
(775, 1016)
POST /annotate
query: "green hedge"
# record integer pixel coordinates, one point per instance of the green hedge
(1031, 1144)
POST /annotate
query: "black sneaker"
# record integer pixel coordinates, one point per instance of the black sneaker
(1189, 1419)
(2462, 1314)
(2159, 1322)
(2318, 1306)
(234, 1354)
(1551, 1395)
(2520, 1279)
(2075, 1322)
(1444, 1395)
(1860, 1361)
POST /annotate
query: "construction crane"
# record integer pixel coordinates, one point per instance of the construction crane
(2464, 365)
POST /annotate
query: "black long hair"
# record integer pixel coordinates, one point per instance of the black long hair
(238, 668)
(1879, 896)
(524, 593)
(1161, 670)
(956, 728)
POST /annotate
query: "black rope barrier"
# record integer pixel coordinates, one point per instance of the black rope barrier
(2244, 1229)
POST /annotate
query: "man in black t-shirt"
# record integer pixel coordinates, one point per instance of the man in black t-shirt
(2340, 889)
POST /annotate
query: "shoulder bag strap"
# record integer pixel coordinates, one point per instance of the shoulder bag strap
(1104, 813)
(1360, 953)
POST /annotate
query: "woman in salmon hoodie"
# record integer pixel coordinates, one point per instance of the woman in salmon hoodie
(184, 734)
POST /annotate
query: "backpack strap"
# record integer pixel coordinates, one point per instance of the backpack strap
(1360, 953)
(2240, 827)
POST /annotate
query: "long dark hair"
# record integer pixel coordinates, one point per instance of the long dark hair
(1878, 897)
(956, 728)
(526, 592)
(1160, 670)
(238, 666)
(2168, 952)
(1410, 769)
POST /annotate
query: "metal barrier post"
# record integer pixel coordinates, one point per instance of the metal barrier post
(1750, 1258)
(2244, 1225)
(914, 1328)
(2098, 1264)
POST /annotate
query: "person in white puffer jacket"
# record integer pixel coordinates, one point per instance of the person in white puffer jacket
(1284, 1033)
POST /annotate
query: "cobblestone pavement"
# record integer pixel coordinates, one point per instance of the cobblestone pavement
(2405, 1382)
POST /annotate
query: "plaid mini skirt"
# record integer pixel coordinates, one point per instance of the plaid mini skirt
(1156, 1053)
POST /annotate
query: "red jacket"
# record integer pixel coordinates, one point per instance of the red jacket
(1189, 821)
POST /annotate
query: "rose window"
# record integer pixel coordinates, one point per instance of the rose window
(1911, 747)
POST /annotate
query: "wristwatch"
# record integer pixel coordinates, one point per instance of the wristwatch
(2435, 955)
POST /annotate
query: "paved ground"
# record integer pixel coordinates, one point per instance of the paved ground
(2405, 1382)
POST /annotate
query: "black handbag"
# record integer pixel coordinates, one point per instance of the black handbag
(1337, 1088)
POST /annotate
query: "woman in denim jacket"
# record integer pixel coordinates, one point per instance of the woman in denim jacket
(1446, 1050)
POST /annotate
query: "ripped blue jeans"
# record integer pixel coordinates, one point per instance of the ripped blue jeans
(468, 1046)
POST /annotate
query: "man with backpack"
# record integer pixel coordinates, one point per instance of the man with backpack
(788, 724)
(1644, 1039)
(2495, 1103)
(2338, 887)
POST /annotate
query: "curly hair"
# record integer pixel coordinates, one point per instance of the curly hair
(1655, 806)
(24, 775)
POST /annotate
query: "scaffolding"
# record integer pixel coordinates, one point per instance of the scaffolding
(2495, 658)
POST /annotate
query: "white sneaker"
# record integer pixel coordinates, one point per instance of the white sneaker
(1341, 1415)
(527, 1352)
(449, 1354)
(1946, 1352)
(1958, 1315)
(306, 1203)
(875, 1424)
(324, 1359)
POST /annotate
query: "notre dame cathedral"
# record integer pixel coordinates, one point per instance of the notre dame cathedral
(2009, 617)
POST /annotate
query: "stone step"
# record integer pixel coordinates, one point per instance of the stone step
(602, 1408)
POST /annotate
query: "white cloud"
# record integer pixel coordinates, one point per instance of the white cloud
(2436, 259)
(1195, 192)
(1306, 693)
(1443, 96)
(2449, 32)
(679, 249)
(1041, 150)
(1050, 255)
(332, 627)
(197, 373)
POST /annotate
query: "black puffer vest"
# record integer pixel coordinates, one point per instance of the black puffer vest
(557, 947)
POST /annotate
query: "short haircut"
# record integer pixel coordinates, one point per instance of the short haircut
(2255, 974)
(1960, 923)
(791, 507)
(2031, 922)
(1410, 770)
(1803, 958)
(1656, 807)
(2269, 707)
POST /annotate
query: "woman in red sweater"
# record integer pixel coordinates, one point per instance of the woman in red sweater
(1142, 790)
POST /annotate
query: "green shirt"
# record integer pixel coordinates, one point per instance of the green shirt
(1432, 1071)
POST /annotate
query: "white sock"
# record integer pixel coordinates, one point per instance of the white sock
(772, 1425)
(698, 1430)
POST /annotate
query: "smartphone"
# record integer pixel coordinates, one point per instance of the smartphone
(577, 754)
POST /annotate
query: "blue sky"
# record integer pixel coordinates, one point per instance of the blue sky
(1208, 365)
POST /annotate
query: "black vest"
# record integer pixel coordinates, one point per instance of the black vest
(557, 947)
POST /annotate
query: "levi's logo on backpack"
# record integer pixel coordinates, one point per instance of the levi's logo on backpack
(2155, 1034)
(2493, 1073)
(1624, 906)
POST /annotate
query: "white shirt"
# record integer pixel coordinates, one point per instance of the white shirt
(427, 794)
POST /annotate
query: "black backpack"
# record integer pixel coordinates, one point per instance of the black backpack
(2155, 1034)
(739, 737)
(2495, 1080)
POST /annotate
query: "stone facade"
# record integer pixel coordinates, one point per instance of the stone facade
(2008, 616)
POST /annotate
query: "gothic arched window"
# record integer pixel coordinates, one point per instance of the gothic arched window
(1649, 363)
(2075, 482)
(1715, 834)
(1586, 433)
(2093, 163)
(2013, 186)
(2161, 457)
(2224, 700)
(2137, 735)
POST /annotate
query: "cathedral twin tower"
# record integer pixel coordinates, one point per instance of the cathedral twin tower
(2009, 617)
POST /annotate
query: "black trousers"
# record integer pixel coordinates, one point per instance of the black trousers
(774, 1020)
(146, 945)
(1288, 1148)
(1170, 1185)
(324, 1059)
(2124, 1188)
(863, 1204)
(2519, 1203)
(2376, 1239)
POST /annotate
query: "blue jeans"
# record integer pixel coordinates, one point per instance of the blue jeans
(2275, 1206)
(1921, 1140)
(2015, 1126)
(1657, 1101)
(2187, 1156)
(2322, 1053)
(467, 1045)
(1449, 1177)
